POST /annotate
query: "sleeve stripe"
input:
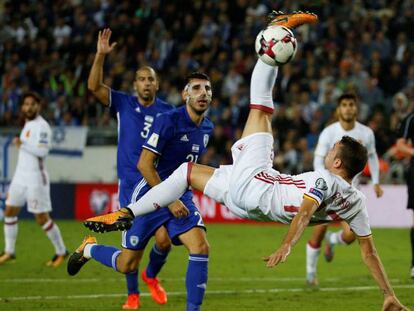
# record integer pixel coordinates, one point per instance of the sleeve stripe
(311, 198)
(150, 149)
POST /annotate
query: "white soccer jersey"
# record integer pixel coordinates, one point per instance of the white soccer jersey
(334, 132)
(36, 142)
(336, 198)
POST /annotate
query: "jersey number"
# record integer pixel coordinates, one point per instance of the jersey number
(146, 129)
(192, 158)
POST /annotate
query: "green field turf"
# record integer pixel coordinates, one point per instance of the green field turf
(238, 279)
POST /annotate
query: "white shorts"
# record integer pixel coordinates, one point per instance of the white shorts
(238, 186)
(36, 195)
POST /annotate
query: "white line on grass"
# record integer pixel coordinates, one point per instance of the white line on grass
(209, 292)
(212, 279)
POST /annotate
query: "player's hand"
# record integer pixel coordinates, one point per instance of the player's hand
(103, 46)
(178, 209)
(16, 141)
(277, 257)
(391, 303)
(378, 190)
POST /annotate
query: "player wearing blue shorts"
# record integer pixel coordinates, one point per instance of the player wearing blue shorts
(177, 136)
(135, 115)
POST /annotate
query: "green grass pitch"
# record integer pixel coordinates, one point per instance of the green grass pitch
(238, 279)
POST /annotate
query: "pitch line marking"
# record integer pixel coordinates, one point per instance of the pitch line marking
(208, 292)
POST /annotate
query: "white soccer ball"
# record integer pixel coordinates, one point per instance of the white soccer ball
(276, 45)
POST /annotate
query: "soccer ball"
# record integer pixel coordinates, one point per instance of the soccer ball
(276, 45)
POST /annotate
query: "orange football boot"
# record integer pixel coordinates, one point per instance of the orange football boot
(293, 20)
(132, 302)
(117, 221)
(158, 293)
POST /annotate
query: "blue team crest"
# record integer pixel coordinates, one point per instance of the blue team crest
(205, 140)
(133, 239)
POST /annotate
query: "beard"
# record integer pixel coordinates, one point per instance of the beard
(30, 115)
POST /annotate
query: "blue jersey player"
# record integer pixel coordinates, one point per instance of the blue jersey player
(135, 118)
(177, 136)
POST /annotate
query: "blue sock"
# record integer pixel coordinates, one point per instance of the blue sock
(157, 260)
(106, 255)
(132, 282)
(196, 280)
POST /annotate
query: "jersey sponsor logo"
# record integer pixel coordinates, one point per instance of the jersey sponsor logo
(184, 138)
(320, 183)
(195, 148)
(153, 140)
(205, 140)
(138, 110)
(316, 192)
(133, 239)
(149, 119)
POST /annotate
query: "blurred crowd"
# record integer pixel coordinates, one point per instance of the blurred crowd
(365, 47)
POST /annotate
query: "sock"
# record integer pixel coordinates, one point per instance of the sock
(336, 238)
(196, 280)
(412, 246)
(53, 233)
(10, 234)
(132, 282)
(106, 255)
(164, 193)
(157, 260)
(312, 255)
(261, 86)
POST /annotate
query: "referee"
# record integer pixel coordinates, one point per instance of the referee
(404, 144)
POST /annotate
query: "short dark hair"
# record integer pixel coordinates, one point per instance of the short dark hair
(34, 95)
(349, 96)
(353, 154)
(196, 75)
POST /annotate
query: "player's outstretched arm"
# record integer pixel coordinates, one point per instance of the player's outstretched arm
(372, 260)
(95, 80)
(296, 228)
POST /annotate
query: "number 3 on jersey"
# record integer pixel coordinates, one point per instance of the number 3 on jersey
(146, 129)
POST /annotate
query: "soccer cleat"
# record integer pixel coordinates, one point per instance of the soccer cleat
(57, 260)
(117, 221)
(311, 279)
(329, 247)
(158, 293)
(5, 257)
(293, 20)
(412, 273)
(77, 260)
(132, 302)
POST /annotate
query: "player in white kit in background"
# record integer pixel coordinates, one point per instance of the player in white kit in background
(30, 183)
(347, 112)
(250, 188)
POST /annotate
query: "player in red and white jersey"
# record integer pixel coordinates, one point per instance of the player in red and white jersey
(347, 112)
(30, 183)
(250, 188)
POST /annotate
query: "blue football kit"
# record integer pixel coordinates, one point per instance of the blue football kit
(134, 125)
(176, 139)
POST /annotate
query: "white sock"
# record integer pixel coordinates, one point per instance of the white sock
(10, 234)
(87, 250)
(312, 255)
(164, 193)
(53, 233)
(336, 238)
(261, 86)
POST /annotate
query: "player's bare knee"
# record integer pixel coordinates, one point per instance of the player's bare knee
(201, 247)
(163, 245)
(42, 218)
(11, 211)
(126, 265)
